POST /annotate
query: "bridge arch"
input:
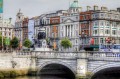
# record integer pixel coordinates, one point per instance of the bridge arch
(40, 67)
(104, 67)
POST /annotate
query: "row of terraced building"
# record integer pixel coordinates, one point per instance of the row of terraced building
(85, 29)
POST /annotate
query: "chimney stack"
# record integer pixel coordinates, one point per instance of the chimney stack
(95, 7)
(80, 9)
(88, 8)
(118, 9)
(104, 8)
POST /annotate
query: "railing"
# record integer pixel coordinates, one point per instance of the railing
(106, 56)
(6, 51)
(56, 55)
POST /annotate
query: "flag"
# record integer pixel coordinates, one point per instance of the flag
(1, 6)
(92, 41)
(108, 40)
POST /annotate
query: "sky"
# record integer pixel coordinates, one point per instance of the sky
(31, 8)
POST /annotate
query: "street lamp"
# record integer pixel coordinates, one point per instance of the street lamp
(33, 45)
(2, 41)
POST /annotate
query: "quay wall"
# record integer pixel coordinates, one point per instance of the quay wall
(10, 61)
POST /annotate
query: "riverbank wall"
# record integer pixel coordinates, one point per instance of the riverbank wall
(12, 65)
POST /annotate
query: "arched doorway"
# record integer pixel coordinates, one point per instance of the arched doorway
(56, 71)
(108, 73)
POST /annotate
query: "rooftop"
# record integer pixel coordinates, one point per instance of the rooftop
(75, 4)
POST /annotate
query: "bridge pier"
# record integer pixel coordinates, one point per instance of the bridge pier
(82, 65)
(81, 68)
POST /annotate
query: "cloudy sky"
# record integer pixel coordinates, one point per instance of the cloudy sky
(32, 8)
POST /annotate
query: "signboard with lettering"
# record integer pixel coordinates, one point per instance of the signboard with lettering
(109, 48)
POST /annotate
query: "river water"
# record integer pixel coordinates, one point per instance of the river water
(47, 77)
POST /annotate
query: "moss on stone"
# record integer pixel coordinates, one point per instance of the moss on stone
(12, 73)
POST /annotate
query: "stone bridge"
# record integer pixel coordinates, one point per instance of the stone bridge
(80, 63)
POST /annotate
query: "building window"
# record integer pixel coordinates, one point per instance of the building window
(109, 16)
(84, 17)
(101, 40)
(116, 17)
(96, 40)
(114, 32)
(101, 31)
(96, 15)
(108, 24)
(96, 23)
(95, 32)
(76, 26)
(62, 27)
(102, 15)
(77, 18)
(76, 49)
(102, 23)
(76, 41)
(107, 31)
(77, 33)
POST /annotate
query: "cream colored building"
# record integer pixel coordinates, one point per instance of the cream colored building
(6, 28)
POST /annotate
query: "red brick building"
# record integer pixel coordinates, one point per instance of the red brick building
(54, 21)
(85, 29)
(86, 23)
(25, 29)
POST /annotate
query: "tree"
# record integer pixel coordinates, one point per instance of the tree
(14, 42)
(27, 43)
(1, 41)
(65, 43)
(7, 41)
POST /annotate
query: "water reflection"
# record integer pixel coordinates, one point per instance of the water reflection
(53, 77)
(45, 77)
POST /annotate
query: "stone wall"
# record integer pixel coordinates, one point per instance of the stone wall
(13, 61)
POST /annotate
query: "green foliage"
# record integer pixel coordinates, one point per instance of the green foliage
(47, 40)
(1, 75)
(27, 43)
(14, 42)
(65, 43)
(7, 41)
(13, 74)
(1, 40)
(6, 74)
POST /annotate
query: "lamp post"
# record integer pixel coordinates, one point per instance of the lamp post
(33, 45)
(2, 41)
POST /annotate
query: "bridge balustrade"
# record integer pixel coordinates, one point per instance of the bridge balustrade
(89, 55)
(106, 56)
(55, 55)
